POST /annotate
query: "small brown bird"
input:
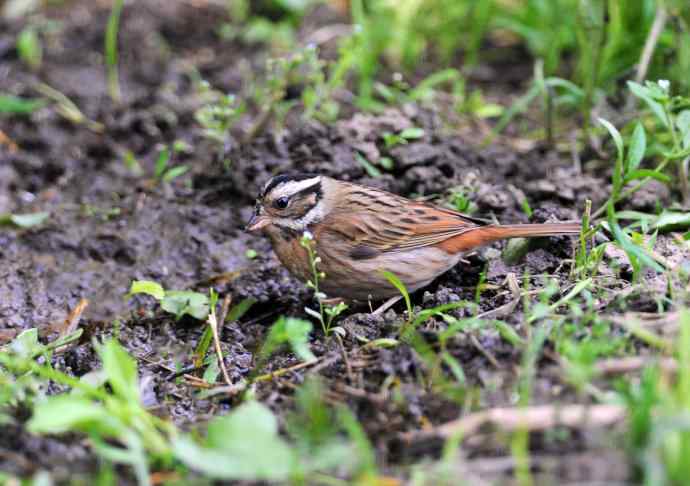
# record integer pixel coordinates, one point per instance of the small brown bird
(360, 231)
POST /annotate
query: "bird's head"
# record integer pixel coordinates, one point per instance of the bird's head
(289, 202)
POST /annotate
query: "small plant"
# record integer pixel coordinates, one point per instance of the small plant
(13, 105)
(227, 454)
(294, 332)
(305, 70)
(316, 444)
(217, 115)
(103, 214)
(176, 302)
(371, 169)
(392, 139)
(118, 426)
(201, 351)
(625, 170)
(327, 312)
(132, 164)
(460, 199)
(586, 261)
(29, 47)
(318, 96)
(19, 385)
(672, 114)
(162, 171)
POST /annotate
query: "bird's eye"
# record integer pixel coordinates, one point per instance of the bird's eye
(281, 203)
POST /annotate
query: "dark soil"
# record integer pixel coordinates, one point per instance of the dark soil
(108, 227)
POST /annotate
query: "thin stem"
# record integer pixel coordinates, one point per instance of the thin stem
(111, 52)
(650, 44)
(315, 283)
(683, 175)
(671, 127)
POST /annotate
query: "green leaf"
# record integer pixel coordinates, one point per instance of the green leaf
(243, 445)
(161, 162)
(24, 220)
(425, 88)
(398, 284)
(454, 366)
(644, 173)
(574, 90)
(509, 334)
(19, 106)
(412, 133)
(632, 250)
(618, 168)
(240, 309)
(148, 287)
(615, 134)
(181, 302)
(292, 331)
(427, 314)
(26, 344)
(386, 163)
(65, 413)
(202, 348)
(29, 47)
(371, 170)
(645, 94)
(636, 150)
(212, 372)
(120, 369)
(175, 172)
(363, 447)
(672, 220)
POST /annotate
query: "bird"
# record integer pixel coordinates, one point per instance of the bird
(358, 232)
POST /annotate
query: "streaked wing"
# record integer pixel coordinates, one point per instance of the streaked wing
(374, 222)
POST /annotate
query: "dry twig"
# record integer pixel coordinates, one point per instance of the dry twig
(213, 322)
(72, 323)
(536, 418)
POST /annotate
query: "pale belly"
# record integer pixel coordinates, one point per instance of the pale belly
(364, 279)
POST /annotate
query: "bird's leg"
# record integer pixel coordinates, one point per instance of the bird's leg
(387, 305)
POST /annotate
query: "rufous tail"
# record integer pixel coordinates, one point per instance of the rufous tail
(483, 235)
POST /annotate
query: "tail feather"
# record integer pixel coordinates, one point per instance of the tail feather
(484, 235)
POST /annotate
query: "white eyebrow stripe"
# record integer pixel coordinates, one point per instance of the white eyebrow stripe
(290, 188)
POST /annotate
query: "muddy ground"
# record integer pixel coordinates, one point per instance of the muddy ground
(108, 226)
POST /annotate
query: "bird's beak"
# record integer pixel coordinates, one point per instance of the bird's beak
(257, 222)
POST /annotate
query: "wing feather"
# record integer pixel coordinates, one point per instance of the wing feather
(400, 224)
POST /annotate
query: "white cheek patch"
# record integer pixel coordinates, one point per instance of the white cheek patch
(314, 215)
(289, 188)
